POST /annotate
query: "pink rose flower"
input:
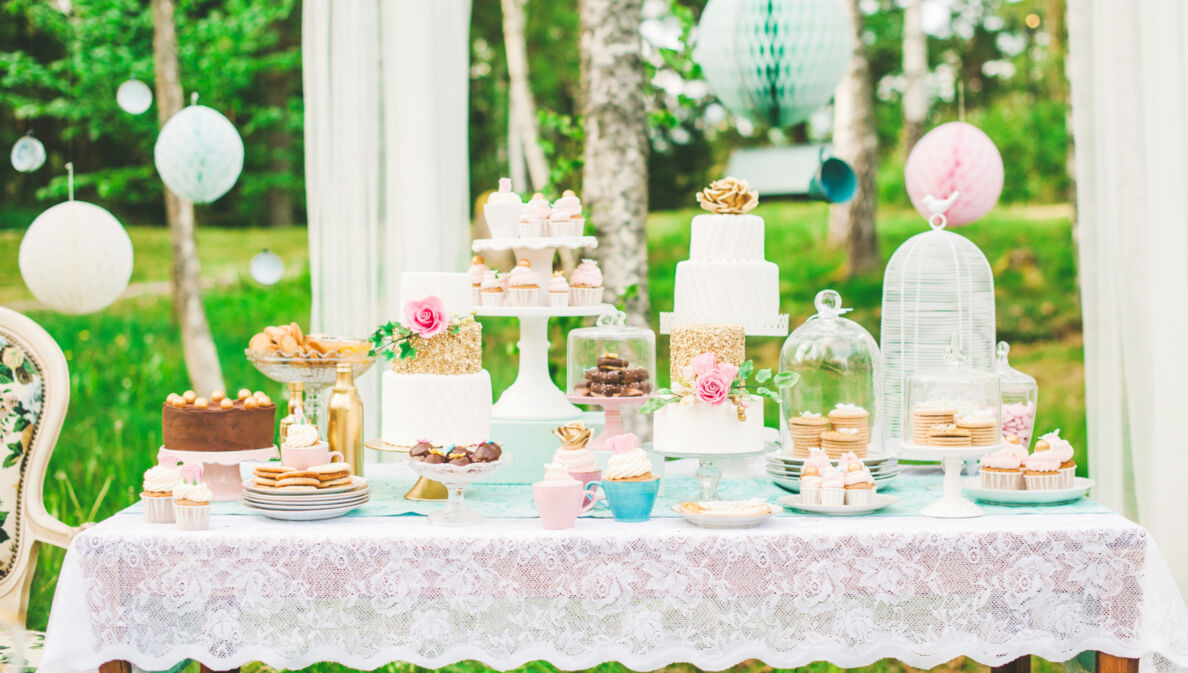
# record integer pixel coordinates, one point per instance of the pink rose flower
(426, 318)
(728, 372)
(703, 364)
(712, 388)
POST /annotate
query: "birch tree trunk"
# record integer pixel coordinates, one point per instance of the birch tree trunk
(915, 69)
(851, 225)
(615, 179)
(523, 134)
(202, 360)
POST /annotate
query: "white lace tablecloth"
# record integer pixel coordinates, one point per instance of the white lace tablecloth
(366, 591)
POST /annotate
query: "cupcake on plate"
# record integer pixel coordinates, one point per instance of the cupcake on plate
(558, 290)
(157, 493)
(810, 485)
(585, 284)
(628, 481)
(523, 285)
(1064, 451)
(502, 210)
(833, 487)
(1002, 470)
(1042, 471)
(191, 500)
(566, 218)
(574, 455)
(859, 483)
(534, 219)
(491, 290)
(478, 271)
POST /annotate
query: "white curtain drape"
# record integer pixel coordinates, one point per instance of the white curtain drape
(1128, 65)
(386, 158)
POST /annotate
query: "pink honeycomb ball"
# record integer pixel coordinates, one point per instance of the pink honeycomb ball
(955, 157)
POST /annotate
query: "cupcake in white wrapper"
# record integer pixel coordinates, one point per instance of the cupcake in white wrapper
(491, 290)
(478, 271)
(523, 285)
(810, 487)
(503, 211)
(585, 284)
(833, 488)
(1002, 470)
(860, 484)
(157, 493)
(1063, 450)
(1042, 472)
(534, 220)
(558, 290)
(191, 503)
(566, 218)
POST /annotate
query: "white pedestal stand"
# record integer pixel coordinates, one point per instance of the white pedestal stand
(952, 505)
(220, 469)
(708, 474)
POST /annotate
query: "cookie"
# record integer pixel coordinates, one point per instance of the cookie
(297, 481)
(331, 470)
(298, 474)
(261, 481)
(341, 481)
(272, 469)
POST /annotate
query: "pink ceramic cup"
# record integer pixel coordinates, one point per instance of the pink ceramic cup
(560, 503)
(305, 457)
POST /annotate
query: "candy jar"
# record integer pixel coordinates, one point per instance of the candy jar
(1020, 395)
(835, 405)
(612, 365)
(952, 406)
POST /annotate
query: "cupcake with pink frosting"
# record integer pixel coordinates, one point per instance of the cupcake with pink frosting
(478, 270)
(833, 487)
(585, 284)
(502, 210)
(491, 290)
(810, 485)
(1064, 451)
(859, 483)
(1042, 471)
(1002, 470)
(558, 290)
(534, 220)
(566, 218)
(523, 285)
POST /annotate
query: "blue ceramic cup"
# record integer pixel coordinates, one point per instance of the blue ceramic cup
(630, 501)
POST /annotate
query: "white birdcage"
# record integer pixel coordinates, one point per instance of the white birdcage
(937, 287)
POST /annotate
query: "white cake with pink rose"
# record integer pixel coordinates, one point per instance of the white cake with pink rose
(707, 410)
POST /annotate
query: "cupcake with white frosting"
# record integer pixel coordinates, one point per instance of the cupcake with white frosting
(191, 500)
(585, 284)
(157, 493)
(566, 218)
(558, 290)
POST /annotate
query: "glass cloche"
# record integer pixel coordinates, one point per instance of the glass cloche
(952, 406)
(836, 401)
(611, 359)
(1020, 396)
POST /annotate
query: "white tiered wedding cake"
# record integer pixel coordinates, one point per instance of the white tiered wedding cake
(436, 389)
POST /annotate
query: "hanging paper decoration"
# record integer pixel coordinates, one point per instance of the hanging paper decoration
(266, 267)
(773, 61)
(955, 157)
(199, 154)
(134, 97)
(28, 154)
(76, 258)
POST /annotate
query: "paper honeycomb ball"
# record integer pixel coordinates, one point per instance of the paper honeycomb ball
(955, 157)
(199, 154)
(28, 154)
(773, 61)
(134, 97)
(76, 258)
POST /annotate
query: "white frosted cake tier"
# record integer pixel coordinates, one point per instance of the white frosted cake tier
(440, 409)
(708, 428)
(747, 288)
(453, 289)
(726, 238)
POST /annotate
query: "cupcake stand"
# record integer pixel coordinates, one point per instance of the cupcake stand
(952, 505)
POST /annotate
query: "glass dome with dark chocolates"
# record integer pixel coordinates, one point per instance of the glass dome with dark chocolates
(611, 359)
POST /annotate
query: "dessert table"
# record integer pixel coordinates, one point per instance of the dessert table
(367, 590)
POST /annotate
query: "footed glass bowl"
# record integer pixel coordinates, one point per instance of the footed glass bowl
(316, 371)
(456, 479)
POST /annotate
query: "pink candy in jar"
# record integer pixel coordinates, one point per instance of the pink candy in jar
(1018, 418)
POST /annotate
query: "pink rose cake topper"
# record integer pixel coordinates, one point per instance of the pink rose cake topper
(426, 318)
(712, 380)
(623, 443)
(191, 472)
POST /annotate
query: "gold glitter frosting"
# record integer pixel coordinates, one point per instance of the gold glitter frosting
(447, 353)
(728, 196)
(727, 342)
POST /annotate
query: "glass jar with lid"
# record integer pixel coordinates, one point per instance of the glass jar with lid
(952, 406)
(1020, 397)
(611, 359)
(835, 405)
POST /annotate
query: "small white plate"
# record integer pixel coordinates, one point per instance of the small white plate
(1081, 486)
(722, 520)
(304, 515)
(879, 501)
(305, 497)
(302, 505)
(356, 482)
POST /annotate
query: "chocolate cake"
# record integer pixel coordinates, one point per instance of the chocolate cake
(612, 376)
(191, 423)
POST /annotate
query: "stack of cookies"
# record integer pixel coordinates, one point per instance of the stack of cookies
(948, 434)
(837, 442)
(613, 376)
(806, 430)
(851, 416)
(983, 431)
(309, 480)
(928, 415)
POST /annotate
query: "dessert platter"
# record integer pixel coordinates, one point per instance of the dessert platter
(785, 471)
(1012, 476)
(726, 513)
(455, 468)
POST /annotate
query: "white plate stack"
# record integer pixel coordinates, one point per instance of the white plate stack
(785, 470)
(305, 505)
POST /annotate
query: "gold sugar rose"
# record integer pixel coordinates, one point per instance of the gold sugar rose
(728, 196)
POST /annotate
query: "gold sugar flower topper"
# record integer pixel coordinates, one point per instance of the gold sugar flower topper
(728, 196)
(573, 435)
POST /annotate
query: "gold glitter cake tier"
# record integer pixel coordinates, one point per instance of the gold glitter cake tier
(446, 353)
(727, 342)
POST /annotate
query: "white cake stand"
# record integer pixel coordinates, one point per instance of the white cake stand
(952, 505)
(533, 396)
(708, 474)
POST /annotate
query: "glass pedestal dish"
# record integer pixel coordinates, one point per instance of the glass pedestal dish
(456, 478)
(317, 373)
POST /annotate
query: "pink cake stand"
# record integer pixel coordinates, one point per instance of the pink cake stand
(220, 469)
(614, 415)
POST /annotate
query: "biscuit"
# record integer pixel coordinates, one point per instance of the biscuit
(341, 481)
(329, 469)
(259, 481)
(272, 468)
(297, 481)
(298, 474)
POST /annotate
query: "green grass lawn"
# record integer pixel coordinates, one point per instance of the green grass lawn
(124, 360)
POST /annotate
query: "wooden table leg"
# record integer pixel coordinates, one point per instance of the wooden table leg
(1108, 663)
(115, 667)
(1020, 665)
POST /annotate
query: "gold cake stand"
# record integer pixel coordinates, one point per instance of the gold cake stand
(424, 489)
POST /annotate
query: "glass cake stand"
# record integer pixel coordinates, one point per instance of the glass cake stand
(952, 505)
(456, 479)
(317, 373)
(708, 474)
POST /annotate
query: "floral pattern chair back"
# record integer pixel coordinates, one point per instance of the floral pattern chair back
(34, 395)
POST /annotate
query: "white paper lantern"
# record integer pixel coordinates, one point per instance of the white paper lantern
(266, 267)
(28, 154)
(134, 97)
(76, 258)
(199, 154)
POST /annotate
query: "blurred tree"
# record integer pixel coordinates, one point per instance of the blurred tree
(915, 69)
(523, 137)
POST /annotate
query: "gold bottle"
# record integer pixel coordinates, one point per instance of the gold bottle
(344, 430)
(296, 408)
